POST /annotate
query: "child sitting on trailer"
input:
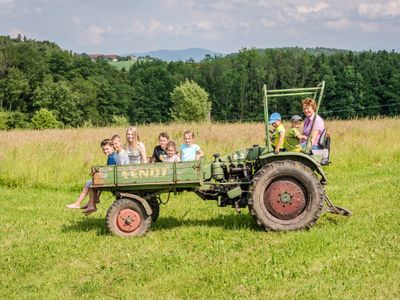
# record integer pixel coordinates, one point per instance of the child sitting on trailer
(107, 147)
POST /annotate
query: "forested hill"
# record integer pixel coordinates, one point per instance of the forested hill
(77, 91)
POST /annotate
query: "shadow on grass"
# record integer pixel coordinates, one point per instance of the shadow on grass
(87, 224)
(330, 218)
(231, 222)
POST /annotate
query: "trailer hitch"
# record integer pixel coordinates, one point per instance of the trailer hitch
(333, 209)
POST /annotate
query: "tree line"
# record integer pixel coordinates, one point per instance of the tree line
(39, 75)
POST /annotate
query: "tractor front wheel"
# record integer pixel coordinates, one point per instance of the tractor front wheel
(128, 218)
(285, 195)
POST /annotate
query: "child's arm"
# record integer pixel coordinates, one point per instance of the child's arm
(301, 137)
(314, 136)
(142, 150)
(199, 154)
(280, 142)
(179, 152)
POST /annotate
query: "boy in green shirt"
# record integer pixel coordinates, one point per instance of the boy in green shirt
(292, 140)
(278, 135)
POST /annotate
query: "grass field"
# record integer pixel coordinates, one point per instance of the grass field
(122, 64)
(197, 250)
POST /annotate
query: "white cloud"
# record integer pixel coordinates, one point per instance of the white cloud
(339, 24)
(93, 35)
(169, 4)
(136, 28)
(154, 26)
(12, 9)
(90, 34)
(379, 10)
(244, 24)
(205, 25)
(289, 12)
(223, 5)
(264, 4)
(267, 23)
(318, 8)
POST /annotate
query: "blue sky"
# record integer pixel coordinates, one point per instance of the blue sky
(122, 26)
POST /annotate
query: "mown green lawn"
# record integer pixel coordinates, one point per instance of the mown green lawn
(199, 251)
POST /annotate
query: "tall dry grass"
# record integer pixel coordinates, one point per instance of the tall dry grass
(61, 159)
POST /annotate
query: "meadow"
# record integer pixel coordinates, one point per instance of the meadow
(196, 250)
(122, 64)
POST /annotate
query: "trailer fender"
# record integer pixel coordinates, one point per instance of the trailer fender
(305, 159)
(142, 201)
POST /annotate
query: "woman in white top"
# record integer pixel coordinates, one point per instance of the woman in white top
(134, 147)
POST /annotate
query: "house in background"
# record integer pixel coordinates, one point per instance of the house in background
(110, 57)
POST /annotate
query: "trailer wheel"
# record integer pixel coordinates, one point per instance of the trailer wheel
(285, 195)
(127, 218)
(155, 207)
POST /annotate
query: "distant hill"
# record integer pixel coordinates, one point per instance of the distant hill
(197, 54)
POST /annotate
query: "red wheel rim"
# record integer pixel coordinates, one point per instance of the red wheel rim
(128, 220)
(285, 199)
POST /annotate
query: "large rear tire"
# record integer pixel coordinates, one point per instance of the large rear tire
(285, 195)
(128, 218)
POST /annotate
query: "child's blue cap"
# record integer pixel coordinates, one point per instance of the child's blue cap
(274, 117)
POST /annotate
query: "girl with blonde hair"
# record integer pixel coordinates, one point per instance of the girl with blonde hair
(134, 147)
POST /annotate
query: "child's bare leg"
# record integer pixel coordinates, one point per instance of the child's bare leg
(78, 201)
(97, 199)
(91, 206)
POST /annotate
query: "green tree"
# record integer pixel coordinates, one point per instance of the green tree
(58, 98)
(44, 119)
(120, 121)
(153, 84)
(15, 89)
(392, 93)
(18, 119)
(190, 102)
(85, 92)
(3, 120)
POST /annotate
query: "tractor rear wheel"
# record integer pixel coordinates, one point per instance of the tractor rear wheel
(285, 195)
(128, 218)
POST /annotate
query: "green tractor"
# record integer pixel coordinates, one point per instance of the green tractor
(283, 191)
